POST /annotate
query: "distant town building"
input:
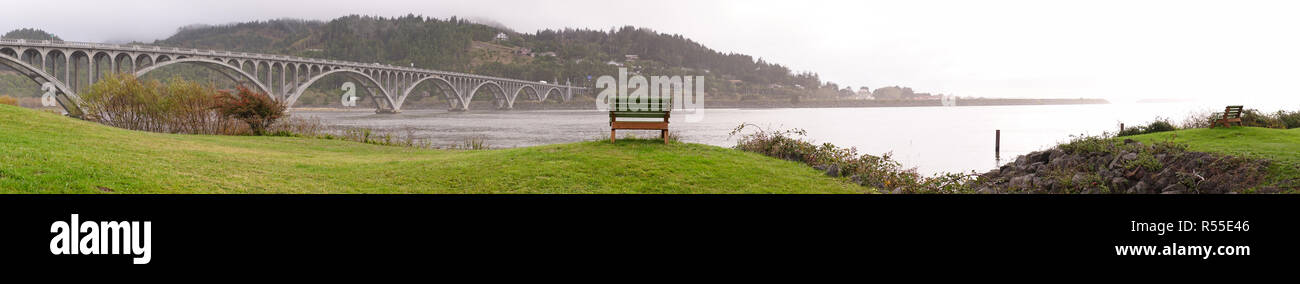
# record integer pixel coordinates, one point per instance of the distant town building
(615, 63)
(548, 53)
(502, 36)
(631, 57)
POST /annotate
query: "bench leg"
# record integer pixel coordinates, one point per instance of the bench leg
(611, 135)
(664, 134)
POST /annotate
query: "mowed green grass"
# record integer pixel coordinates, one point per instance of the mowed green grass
(1282, 147)
(46, 153)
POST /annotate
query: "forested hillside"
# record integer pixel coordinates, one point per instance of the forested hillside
(460, 45)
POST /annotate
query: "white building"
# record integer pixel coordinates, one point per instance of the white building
(502, 36)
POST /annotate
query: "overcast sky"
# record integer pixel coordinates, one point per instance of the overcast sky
(1120, 50)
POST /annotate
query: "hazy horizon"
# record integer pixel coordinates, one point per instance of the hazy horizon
(1117, 50)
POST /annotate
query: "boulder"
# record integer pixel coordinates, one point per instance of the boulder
(1037, 157)
(1130, 156)
(1038, 167)
(1078, 179)
(1174, 189)
(1024, 181)
(1118, 182)
(1139, 188)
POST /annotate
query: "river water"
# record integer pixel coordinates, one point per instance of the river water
(931, 139)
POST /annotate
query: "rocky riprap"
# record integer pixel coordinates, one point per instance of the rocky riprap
(1124, 167)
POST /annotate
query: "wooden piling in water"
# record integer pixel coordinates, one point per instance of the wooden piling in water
(997, 143)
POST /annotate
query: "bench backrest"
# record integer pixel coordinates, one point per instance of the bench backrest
(1232, 112)
(643, 108)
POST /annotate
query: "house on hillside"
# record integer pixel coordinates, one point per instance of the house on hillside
(632, 57)
(502, 37)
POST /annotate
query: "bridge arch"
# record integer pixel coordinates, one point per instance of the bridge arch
(64, 95)
(6, 51)
(262, 68)
(499, 97)
(248, 67)
(144, 61)
(377, 90)
(56, 60)
(453, 95)
(33, 57)
(235, 74)
(552, 91)
(98, 69)
(124, 60)
(530, 92)
(81, 76)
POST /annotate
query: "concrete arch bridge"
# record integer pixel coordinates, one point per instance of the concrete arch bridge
(57, 65)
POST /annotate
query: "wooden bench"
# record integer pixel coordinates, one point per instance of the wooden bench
(652, 114)
(1230, 114)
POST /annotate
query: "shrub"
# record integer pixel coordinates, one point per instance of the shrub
(1197, 119)
(881, 172)
(1289, 119)
(1084, 144)
(257, 109)
(1255, 118)
(122, 100)
(1160, 124)
(7, 100)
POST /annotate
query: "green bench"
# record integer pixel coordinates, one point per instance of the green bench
(644, 114)
(1227, 117)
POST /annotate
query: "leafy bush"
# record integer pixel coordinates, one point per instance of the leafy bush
(122, 100)
(257, 109)
(1160, 124)
(880, 172)
(1084, 144)
(1289, 119)
(1255, 118)
(1198, 119)
(7, 100)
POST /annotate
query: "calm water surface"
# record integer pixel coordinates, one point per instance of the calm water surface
(931, 139)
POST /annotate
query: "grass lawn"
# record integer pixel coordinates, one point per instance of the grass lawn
(42, 152)
(1282, 147)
